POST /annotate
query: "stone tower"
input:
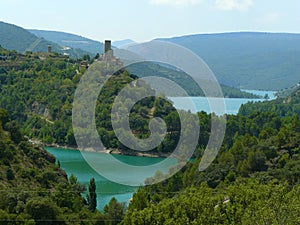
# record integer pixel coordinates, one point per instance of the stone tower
(107, 46)
(108, 52)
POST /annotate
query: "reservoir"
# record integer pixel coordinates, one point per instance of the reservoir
(73, 162)
(232, 105)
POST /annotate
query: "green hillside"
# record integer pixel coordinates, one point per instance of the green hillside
(248, 60)
(39, 94)
(282, 106)
(34, 190)
(254, 177)
(288, 91)
(70, 40)
(16, 38)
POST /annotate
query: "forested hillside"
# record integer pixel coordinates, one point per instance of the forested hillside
(34, 190)
(39, 91)
(256, 175)
(16, 38)
(282, 106)
(39, 94)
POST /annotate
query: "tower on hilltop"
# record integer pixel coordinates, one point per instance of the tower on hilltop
(107, 46)
(108, 55)
(108, 52)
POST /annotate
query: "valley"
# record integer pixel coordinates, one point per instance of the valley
(87, 140)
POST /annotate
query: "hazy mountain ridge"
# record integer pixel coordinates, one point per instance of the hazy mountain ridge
(248, 60)
(13, 37)
(184, 80)
(70, 40)
(123, 42)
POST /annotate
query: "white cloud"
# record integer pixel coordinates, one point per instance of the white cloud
(175, 2)
(269, 18)
(230, 5)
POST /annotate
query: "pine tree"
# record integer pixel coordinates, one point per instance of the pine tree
(92, 196)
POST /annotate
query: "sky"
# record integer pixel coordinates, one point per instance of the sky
(144, 20)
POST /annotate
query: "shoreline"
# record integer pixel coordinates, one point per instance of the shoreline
(106, 151)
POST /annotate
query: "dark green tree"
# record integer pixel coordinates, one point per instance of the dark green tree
(43, 211)
(92, 196)
(114, 211)
(10, 174)
(4, 118)
(14, 129)
(86, 57)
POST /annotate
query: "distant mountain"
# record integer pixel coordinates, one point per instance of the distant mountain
(70, 40)
(248, 60)
(16, 38)
(123, 42)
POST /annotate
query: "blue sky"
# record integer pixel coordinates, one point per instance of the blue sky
(143, 20)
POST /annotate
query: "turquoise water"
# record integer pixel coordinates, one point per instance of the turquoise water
(73, 162)
(271, 94)
(232, 105)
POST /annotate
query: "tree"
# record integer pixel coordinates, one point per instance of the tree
(114, 211)
(43, 211)
(10, 174)
(86, 57)
(76, 187)
(14, 129)
(4, 118)
(92, 196)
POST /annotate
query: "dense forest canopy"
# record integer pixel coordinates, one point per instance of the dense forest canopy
(256, 175)
(34, 190)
